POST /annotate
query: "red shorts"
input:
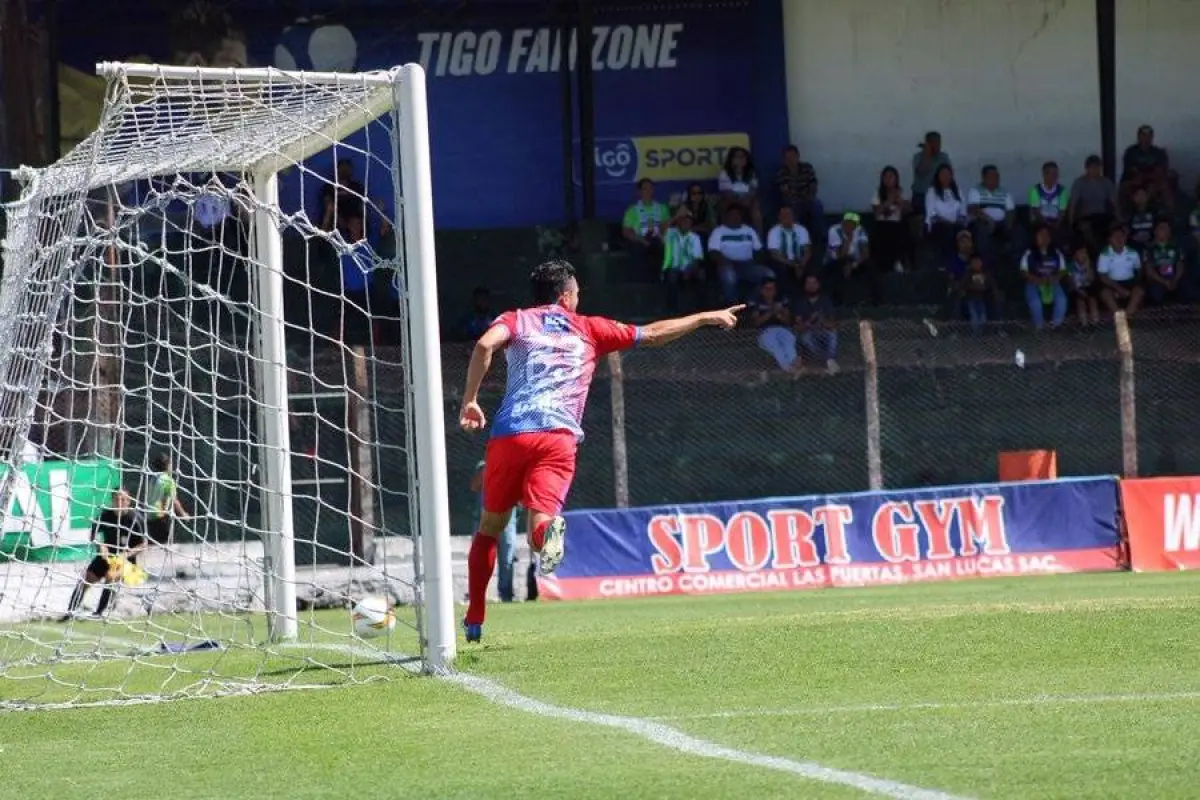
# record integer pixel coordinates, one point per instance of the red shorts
(532, 469)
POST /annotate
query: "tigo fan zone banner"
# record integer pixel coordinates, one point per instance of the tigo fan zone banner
(1162, 517)
(51, 508)
(867, 539)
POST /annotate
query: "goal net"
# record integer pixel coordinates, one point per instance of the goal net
(221, 423)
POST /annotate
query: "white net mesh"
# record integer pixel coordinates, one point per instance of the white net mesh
(133, 333)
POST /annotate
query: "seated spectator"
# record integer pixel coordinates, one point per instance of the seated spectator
(978, 293)
(1048, 204)
(734, 246)
(1146, 166)
(892, 243)
(1092, 206)
(816, 324)
(738, 184)
(481, 316)
(683, 257)
(771, 315)
(1142, 220)
(929, 158)
(847, 250)
(1081, 278)
(992, 213)
(1165, 267)
(1120, 271)
(797, 184)
(789, 247)
(643, 227)
(945, 211)
(699, 205)
(1044, 268)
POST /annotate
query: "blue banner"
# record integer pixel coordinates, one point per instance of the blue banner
(841, 540)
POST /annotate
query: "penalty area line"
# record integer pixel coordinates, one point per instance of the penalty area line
(666, 736)
(867, 708)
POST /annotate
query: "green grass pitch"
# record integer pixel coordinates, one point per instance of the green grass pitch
(1057, 687)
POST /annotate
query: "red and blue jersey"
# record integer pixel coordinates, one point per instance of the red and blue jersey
(552, 355)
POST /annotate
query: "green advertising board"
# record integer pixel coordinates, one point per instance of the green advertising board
(51, 509)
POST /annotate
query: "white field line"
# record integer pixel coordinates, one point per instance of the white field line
(870, 708)
(677, 740)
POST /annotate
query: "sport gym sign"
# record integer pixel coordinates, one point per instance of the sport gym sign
(868, 539)
(51, 508)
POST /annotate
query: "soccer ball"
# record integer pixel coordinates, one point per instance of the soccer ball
(372, 616)
(315, 44)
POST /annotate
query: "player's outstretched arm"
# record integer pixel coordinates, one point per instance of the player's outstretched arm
(659, 333)
(471, 418)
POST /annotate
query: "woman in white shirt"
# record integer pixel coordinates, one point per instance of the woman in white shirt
(738, 184)
(892, 245)
(945, 210)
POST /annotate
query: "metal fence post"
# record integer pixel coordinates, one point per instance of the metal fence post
(866, 333)
(620, 452)
(1129, 444)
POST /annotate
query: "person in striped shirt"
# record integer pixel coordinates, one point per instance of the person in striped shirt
(992, 213)
(683, 257)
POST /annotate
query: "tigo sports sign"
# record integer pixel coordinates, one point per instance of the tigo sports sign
(693, 157)
(866, 539)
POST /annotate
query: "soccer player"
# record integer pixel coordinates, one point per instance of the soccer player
(162, 501)
(530, 459)
(115, 533)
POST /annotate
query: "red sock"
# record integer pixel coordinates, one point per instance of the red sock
(481, 562)
(537, 539)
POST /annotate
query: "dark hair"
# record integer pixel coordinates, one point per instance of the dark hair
(345, 162)
(791, 148)
(882, 187)
(1049, 165)
(643, 182)
(728, 165)
(986, 169)
(549, 280)
(1093, 160)
(161, 462)
(1037, 229)
(480, 291)
(952, 188)
(932, 135)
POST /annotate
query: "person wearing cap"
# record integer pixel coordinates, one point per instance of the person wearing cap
(683, 256)
(846, 250)
(1146, 166)
(507, 546)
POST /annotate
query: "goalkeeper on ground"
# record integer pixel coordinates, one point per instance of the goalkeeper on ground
(119, 540)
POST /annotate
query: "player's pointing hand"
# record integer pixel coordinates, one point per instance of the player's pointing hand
(726, 318)
(471, 417)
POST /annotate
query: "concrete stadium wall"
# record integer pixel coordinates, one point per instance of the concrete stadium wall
(1012, 83)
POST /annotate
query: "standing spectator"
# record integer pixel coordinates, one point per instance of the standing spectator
(978, 292)
(992, 213)
(771, 315)
(481, 316)
(892, 244)
(683, 257)
(1120, 271)
(945, 211)
(797, 184)
(700, 206)
(734, 247)
(1044, 268)
(1165, 267)
(358, 261)
(847, 250)
(1048, 203)
(1146, 166)
(929, 158)
(738, 184)
(1081, 276)
(507, 546)
(643, 227)
(1141, 221)
(816, 324)
(1092, 206)
(342, 198)
(790, 247)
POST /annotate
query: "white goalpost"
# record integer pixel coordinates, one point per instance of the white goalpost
(228, 290)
